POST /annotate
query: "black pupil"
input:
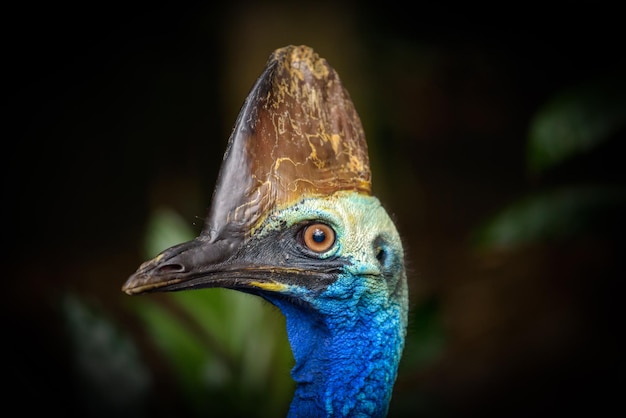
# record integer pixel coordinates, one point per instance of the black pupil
(319, 236)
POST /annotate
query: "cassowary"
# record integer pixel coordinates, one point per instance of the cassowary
(293, 221)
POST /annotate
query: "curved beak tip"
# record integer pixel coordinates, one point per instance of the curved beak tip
(150, 275)
(128, 290)
(133, 285)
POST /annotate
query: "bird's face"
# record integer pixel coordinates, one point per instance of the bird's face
(292, 216)
(321, 252)
(337, 247)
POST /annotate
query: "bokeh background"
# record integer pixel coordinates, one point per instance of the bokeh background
(495, 141)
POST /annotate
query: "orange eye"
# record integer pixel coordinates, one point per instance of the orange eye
(319, 237)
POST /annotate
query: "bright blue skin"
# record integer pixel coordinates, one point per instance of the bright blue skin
(347, 339)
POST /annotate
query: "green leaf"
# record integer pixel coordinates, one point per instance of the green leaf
(112, 379)
(185, 350)
(426, 337)
(576, 121)
(552, 215)
(165, 228)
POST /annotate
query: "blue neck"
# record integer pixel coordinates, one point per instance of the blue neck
(346, 355)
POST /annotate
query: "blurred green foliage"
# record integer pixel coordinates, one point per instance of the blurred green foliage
(575, 121)
(553, 215)
(572, 124)
(110, 377)
(426, 336)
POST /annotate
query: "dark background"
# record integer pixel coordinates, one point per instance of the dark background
(114, 110)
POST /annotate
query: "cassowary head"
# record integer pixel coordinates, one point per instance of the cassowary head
(293, 221)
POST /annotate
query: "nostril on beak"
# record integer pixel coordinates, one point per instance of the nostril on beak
(171, 268)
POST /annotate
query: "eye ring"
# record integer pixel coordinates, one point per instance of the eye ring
(318, 237)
